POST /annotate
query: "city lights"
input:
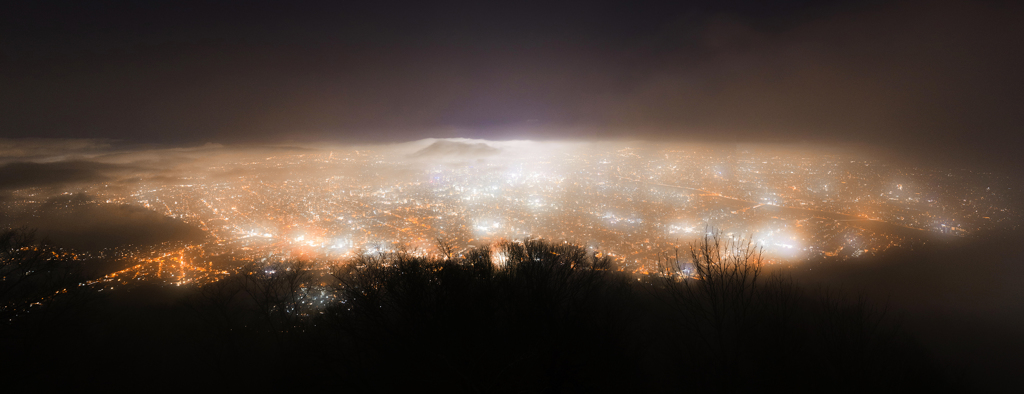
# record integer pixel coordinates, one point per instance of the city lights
(631, 201)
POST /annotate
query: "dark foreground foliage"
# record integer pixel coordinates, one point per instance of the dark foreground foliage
(527, 316)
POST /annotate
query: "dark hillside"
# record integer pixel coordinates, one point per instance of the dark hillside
(529, 316)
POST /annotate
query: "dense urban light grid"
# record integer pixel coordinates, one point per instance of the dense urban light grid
(636, 202)
(726, 196)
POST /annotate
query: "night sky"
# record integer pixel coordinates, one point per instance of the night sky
(937, 78)
(181, 84)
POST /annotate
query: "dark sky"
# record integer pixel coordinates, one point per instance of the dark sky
(917, 76)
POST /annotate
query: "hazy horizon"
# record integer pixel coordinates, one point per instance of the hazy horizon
(875, 144)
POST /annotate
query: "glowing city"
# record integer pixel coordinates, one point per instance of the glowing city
(637, 202)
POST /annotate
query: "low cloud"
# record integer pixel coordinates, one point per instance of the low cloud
(26, 149)
(75, 164)
(75, 222)
(456, 149)
(963, 300)
(20, 175)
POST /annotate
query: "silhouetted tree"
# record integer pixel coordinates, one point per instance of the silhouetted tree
(739, 328)
(446, 247)
(276, 289)
(220, 307)
(36, 280)
(521, 315)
